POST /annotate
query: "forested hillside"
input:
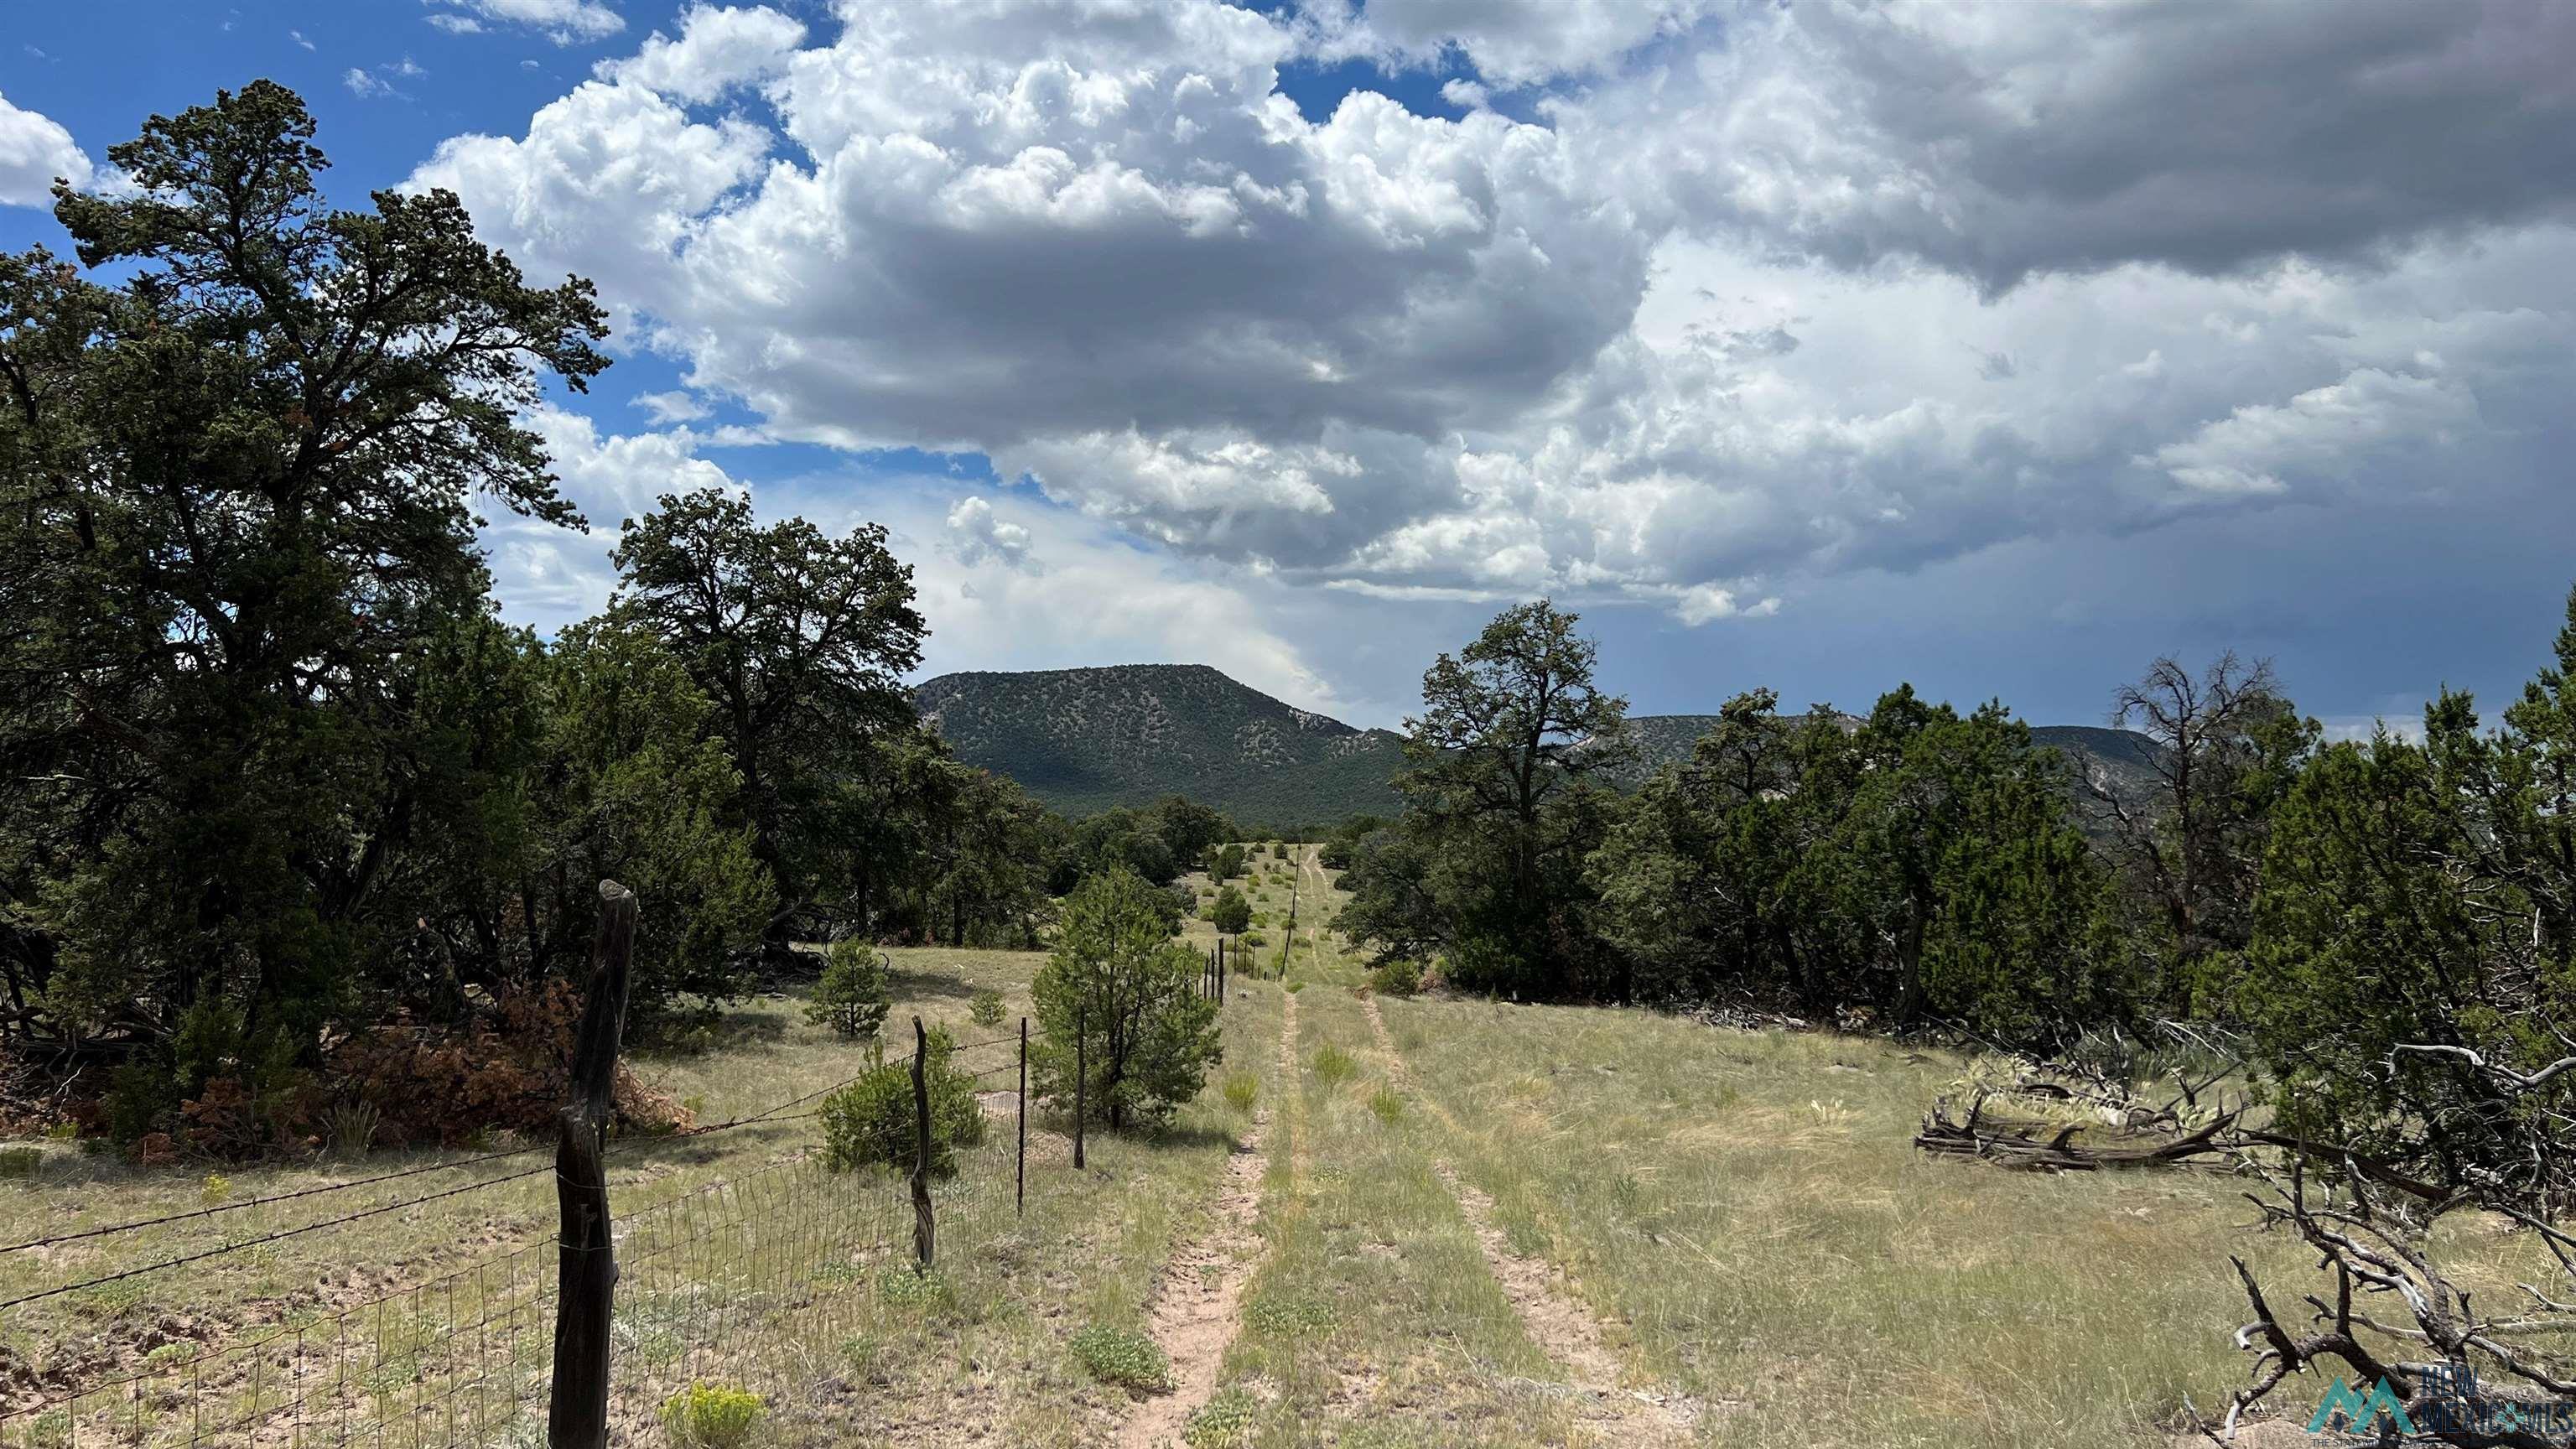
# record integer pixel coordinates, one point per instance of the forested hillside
(1085, 740)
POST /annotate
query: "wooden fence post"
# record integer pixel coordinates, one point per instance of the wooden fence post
(1020, 1189)
(1220, 970)
(1288, 937)
(924, 1232)
(586, 1259)
(1081, 1083)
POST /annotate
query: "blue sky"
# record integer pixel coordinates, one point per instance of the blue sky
(1814, 346)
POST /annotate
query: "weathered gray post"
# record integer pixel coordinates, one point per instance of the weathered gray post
(1081, 1082)
(586, 1258)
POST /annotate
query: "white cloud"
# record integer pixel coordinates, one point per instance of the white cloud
(34, 149)
(298, 37)
(565, 22)
(550, 576)
(2322, 433)
(671, 407)
(976, 533)
(718, 49)
(1081, 592)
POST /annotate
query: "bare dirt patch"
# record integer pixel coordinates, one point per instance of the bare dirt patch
(1198, 1304)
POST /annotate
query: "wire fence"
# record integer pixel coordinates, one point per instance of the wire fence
(767, 1279)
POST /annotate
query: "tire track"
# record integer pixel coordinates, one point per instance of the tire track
(1562, 1325)
(1198, 1305)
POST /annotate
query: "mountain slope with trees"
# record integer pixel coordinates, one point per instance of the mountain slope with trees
(1086, 740)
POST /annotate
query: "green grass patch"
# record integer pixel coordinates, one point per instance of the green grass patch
(1121, 1356)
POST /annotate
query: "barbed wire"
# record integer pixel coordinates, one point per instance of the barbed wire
(219, 1209)
(279, 1236)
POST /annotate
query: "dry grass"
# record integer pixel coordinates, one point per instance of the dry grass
(1746, 1211)
(1741, 1212)
(755, 1267)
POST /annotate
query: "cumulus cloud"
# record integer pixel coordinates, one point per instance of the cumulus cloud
(34, 149)
(976, 533)
(1755, 297)
(671, 407)
(1999, 141)
(565, 22)
(718, 49)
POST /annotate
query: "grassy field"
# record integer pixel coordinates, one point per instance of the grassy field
(744, 1262)
(1424, 1222)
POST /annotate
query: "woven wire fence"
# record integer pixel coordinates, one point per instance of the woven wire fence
(765, 1279)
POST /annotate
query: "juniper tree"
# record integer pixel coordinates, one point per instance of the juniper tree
(1120, 985)
(240, 444)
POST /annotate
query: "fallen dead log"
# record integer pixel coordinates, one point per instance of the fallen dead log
(2039, 1146)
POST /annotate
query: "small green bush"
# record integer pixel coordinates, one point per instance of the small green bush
(1222, 1421)
(873, 1119)
(1242, 1089)
(1387, 1105)
(986, 1007)
(1334, 1066)
(1396, 978)
(711, 1416)
(1117, 1356)
(851, 997)
(1296, 986)
(20, 1161)
(1282, 1317)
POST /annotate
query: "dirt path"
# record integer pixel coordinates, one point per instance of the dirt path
(1562, 1325)
(1198, 1305)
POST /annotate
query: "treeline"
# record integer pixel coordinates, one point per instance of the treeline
(2323, 904)
(287, 814)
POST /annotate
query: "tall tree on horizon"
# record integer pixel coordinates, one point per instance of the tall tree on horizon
(1502, 786)
(801, 639)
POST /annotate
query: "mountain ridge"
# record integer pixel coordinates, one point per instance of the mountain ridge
(1084, 740)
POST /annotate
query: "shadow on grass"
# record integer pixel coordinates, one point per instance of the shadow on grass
(1060, 1122)
(907, 983)
(761, 1024)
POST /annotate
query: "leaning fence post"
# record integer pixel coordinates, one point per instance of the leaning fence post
(1081, 1083)
(586, 1259)
(1020, 1188)
(924, 1233)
